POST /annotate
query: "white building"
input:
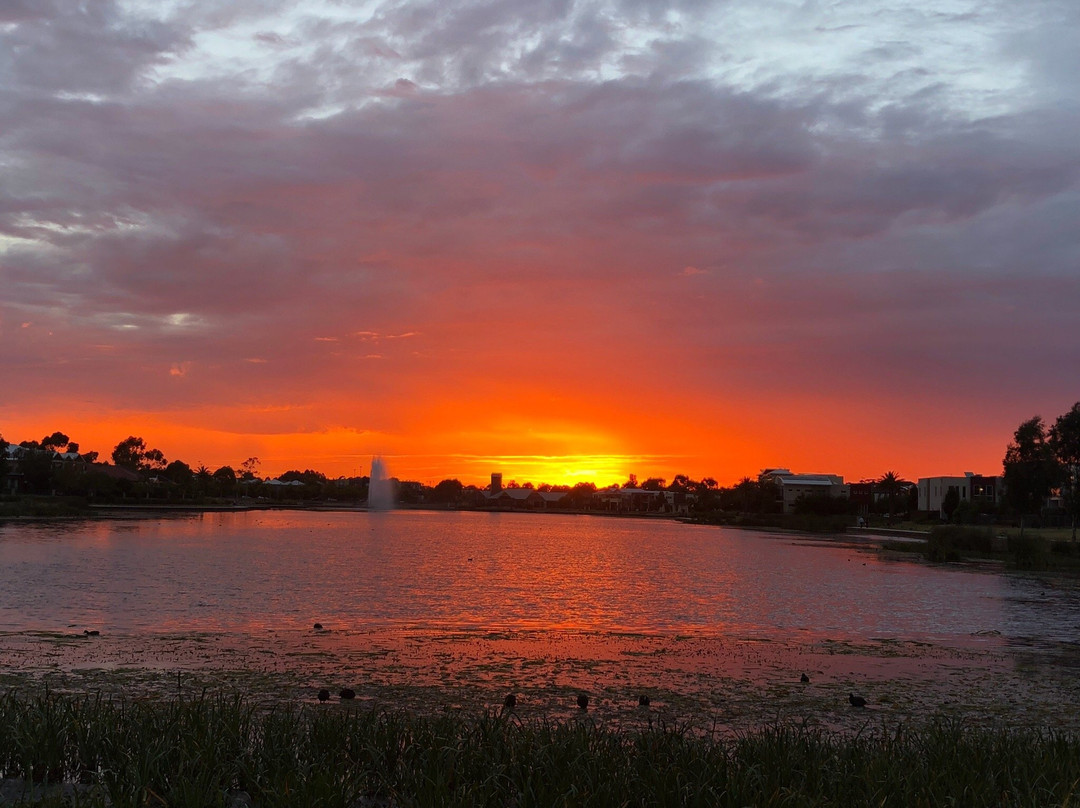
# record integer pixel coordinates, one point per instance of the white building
(971, 487)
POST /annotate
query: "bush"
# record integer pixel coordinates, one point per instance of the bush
(1069, 549)
(1030, 552)
(948, 542)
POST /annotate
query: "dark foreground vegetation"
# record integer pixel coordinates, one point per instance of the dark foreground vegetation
(214, 751)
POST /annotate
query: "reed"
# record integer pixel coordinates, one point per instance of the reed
(209, 751)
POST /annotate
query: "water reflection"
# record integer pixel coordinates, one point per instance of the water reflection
(246, 571)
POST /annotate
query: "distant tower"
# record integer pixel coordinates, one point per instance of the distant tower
(496, 482)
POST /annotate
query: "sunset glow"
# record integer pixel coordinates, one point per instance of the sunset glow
(566, 242)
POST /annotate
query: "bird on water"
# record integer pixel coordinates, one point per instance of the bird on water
(347, 693)
(856, 701)
(510, 702)
(804, 678)
(324, 694)
(643, 700)
(583, 702)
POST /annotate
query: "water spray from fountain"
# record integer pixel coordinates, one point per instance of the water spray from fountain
(380, 487)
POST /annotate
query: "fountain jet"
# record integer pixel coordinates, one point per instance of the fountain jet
(380, 487)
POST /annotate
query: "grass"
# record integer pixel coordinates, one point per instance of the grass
(207, 751)
(42, 508)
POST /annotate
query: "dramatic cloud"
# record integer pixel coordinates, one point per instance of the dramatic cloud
(709, 239)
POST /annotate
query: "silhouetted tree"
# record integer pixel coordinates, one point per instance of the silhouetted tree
(579, 498)
(224, 480)
(180, 474)
(154, 460)
(951, 502)
(1065, 444)
(447, 492)
(129, 453)
(37, 470)
(682, 484)
(1031, 470)
(57, 441)
(249, 469)
(891, 484)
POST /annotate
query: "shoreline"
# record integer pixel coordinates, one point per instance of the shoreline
(731, 683)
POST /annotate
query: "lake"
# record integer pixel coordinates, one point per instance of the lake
(466, 570)
(444, 610)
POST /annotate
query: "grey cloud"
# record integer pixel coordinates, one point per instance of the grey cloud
(86, 47)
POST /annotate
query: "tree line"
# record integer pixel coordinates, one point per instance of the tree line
(1042, 460)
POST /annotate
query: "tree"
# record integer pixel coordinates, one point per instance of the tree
(1065, 444)
(891, 484)
(249, 469)
(3, 461)
(225, 474)
(950, 502)
(37, 470)
(57, 442)
(580, 497)
(654, 484)
(129, 453)
(154, 460)
(179, 472)
(447, 492)
(1031, 470)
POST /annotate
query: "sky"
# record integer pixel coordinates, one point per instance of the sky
(561, 240)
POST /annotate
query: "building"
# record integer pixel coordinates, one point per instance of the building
(971, 487)
(522, 499)
(795, 486)
(496, 482)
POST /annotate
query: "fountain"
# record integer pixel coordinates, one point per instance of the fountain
(380, 487)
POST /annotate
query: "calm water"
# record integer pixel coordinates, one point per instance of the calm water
(450, 571)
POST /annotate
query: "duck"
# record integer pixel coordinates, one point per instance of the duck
(856, 701)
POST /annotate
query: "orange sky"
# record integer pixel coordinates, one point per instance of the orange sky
(560, 243)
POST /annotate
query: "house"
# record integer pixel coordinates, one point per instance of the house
(521, 498)
(794, 486)
(12, 480)
(971, 487)
(629, 500)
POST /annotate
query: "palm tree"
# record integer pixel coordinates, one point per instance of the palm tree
(891, 484)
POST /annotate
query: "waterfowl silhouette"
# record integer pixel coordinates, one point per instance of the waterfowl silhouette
(856, 701)
(804, 678)
(318, 626)
(347, 693)
(643, 700)
(324, 694)
(510, 702)
(583, 702)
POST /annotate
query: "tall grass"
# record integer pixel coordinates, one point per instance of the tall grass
(206, 751)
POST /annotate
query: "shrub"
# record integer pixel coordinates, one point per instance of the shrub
(948, 542)
(1029, 552)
